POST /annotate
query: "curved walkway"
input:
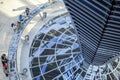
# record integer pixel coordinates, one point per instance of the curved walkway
(31, 28)
(52, 12)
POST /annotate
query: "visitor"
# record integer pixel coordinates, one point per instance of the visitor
(27, 11)
(14, 26)
(20, 18)
(26, 38)
(44, 14)
(19, 24)
(4, 58)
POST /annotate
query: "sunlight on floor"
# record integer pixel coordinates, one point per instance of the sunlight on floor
(8, 6)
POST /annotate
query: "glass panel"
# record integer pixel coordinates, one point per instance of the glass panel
(54, 32)
(35, 71)
(35, 61)
(47, 52)
(62, 46)
(108, 77)
(62, 29)
(47, 67)
(61, 78)
(114, 64)
(68, 33)
(38, 78)
(63, 56)
(36, 43)
(66, 67)
(118, 69)
(40, 36)
(52, 74)
(48, 38)
(83, 74)
(64, 61)
(113, 76)
(42, 60)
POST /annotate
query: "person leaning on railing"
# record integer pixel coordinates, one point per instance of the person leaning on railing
(20, 18)
(4, 58)
(4, 64)
(27, 11)
(13, 25)
(19, 24)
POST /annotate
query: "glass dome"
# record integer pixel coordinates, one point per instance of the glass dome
(55, 52)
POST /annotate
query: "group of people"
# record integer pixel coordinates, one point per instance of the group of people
(4, 61)
(20, 20)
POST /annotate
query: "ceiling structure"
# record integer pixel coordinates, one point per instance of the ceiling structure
(98, 28)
